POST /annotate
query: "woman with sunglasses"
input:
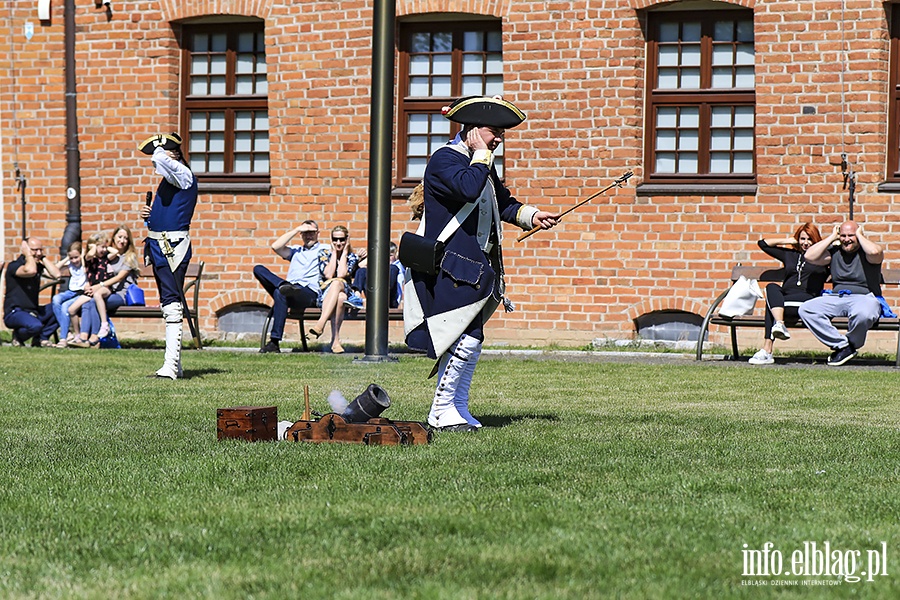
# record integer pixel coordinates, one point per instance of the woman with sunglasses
(336, 269)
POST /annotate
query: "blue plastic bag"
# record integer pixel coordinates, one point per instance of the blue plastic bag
(110, 341)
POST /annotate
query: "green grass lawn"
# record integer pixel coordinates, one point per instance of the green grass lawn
(592, 480)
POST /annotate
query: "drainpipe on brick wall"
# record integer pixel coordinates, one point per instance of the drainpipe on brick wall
(73, 159)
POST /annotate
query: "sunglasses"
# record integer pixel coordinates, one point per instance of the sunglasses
(341, 239)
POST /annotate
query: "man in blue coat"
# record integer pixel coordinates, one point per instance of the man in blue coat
(168, 243)
(465, 201)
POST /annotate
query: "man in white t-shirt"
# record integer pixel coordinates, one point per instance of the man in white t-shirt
(300, 289)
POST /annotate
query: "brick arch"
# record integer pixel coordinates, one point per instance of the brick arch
(175, 10)
(640, 4)
(665, 303)
(494, 8)
(222, 301)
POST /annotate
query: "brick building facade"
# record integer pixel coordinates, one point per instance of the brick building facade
(594, 77)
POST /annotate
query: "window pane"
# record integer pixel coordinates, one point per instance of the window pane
(200, 42)
(244, 85)
(494, 64)
(442, 42)
(720, 162)
(668, 79)
(493, 86)
(724, 31)
(246, 42)
(665, 162)
(720, 116)
(494, 41)
(665, 140)
(472, 86)
(442, 64)
(441, 87)
(723, 55)
(245, 63)
(417, 145)
(720, 140)
(687, 162)
(243, 120)
(242, 163)
(690, 55)
(473, 41)
(689, 117)
(687, 140)
(743, 139)
(473, 63)
(415, 167)
(744, 55)
(217, 65)
(745, 31)
(690, 79)
(199, 64)
(666, 117)
(744, 77)
(421, 42)
(199, 86)
(668, 32)
(722, 78)
(216, 121)
(262, 141)
(743, 116)
(743, 162)
(417, 124)
(219, 42)
(418, 86)
(440, 125)
(217, 86)
(691, 32)
(261, 163)
(216, 163)
(668, 56)
(216, 142)
(419, 65)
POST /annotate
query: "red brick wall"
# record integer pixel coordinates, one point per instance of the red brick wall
(576, 69)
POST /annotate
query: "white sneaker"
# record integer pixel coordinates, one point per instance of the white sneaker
(780, 331)
(104, 331)
(761, 358)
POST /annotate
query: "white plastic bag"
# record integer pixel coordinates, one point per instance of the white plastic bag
(741, 298)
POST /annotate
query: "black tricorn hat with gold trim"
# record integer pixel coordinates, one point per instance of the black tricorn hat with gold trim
(484, 111)
(168, 141)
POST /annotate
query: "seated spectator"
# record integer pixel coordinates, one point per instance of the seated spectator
(22, 310)
(96, 260)
(75, 288)
(855, 285)
(360, 280)
(300, 288)
(122, 269)
(336, 269)
(802, 281)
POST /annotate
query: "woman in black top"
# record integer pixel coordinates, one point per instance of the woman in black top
(802, 281)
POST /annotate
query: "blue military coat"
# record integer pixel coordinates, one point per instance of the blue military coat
(469, 283)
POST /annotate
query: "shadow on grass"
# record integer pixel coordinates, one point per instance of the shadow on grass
(504, 420)
(200, 373)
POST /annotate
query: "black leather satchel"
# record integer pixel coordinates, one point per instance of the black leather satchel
(420, 253)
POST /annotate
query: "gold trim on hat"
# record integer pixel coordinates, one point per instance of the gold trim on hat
(470, 101)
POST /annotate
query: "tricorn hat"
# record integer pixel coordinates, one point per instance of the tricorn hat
(484, 111)
(168, 141)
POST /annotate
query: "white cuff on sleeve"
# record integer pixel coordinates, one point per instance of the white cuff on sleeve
(482, 156)
(525, 217)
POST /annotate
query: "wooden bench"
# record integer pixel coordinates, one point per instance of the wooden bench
(192, 279)
(313, 314)
(767, 275)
